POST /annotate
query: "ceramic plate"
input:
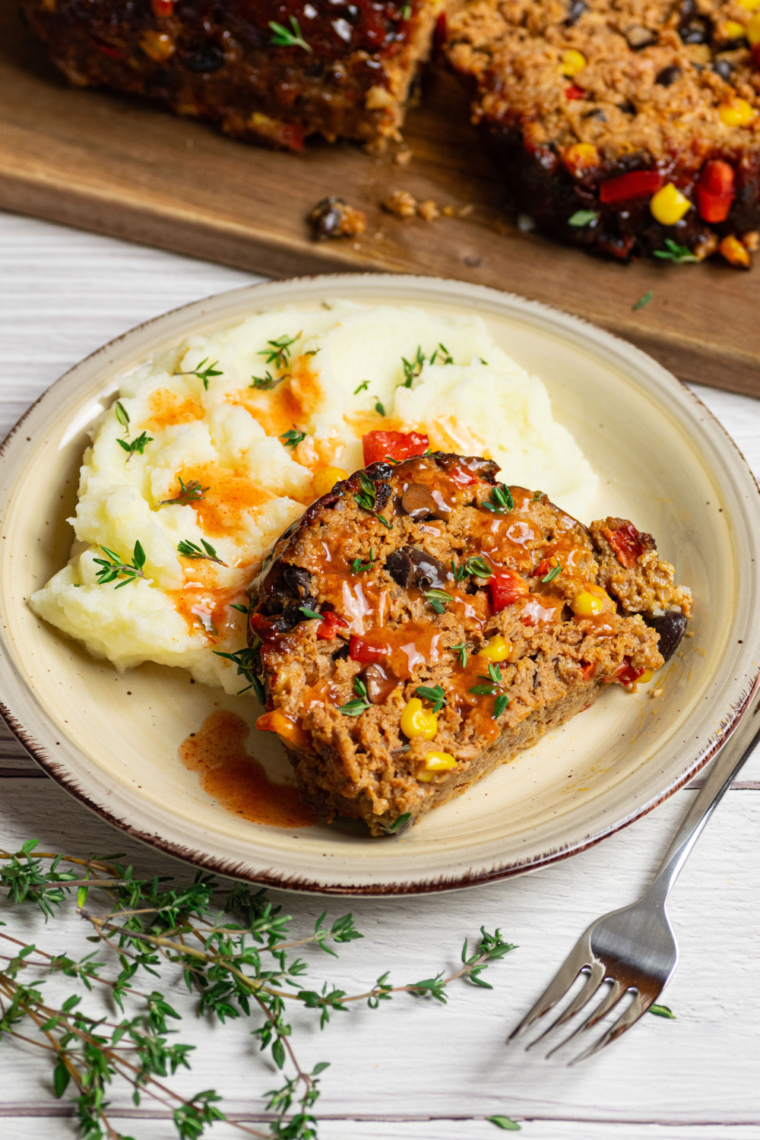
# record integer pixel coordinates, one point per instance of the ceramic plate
(663, 461)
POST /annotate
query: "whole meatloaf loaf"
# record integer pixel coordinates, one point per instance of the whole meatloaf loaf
(422, 622)
(625, 126)
(271, 71)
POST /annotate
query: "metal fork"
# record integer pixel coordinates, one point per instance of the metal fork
(634, 948)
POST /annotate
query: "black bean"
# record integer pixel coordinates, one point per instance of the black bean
(315, 70)
(297, 580)
(327, 218)
(668, 75)
(598, 114)
(671, 627)
(723, 68)
(628, 108)
(207, 58)
(575, 11)
(399, 566)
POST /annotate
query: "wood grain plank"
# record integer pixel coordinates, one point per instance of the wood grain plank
(122, 167)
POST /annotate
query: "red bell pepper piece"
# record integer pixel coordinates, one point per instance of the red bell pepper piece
(162, 8)
(504, 589)
(627, 544)
(264, 629)
(379, 445)
(331, 623)
(637, 184)
(715, 190)
(361, 650)
(107, 49)
(626, 673)
(574, 92)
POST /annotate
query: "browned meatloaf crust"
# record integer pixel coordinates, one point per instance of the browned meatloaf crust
(349, 76)
(388, 590)
(573, 94)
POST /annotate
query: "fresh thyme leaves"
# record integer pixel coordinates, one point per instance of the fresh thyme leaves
(438, 599)
(248, 663)
(137, 445)
(307, 613)
(406, 11)
(384, 521)
(202, 373)
(191, 492)
(412, 368)
(359, 567)
(555, 570)
(499, 705)
(397, 825)
(662, 1011)
(278, 352)
(476, 567)
(493, 679)
(122, 415)
(379, 408)
(642, 301)
(499, 500)
(678, 254)
(434, 694)
(234, 949)
(189, 550)
(537, 495)
(281, 37)
(266, 383)
(358, 706)
(442, 351)
(112, 567)
(504, 1122)
(461, 650)
(582, 218)
(362, 387)
(242, 609)
(292, 438)
(367, 496)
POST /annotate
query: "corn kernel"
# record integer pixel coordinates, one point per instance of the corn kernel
(750, 5)
(580, 157)
(157, 45)
(733, 30)
(669, 205)
(277, 721)
(417, 722)
(752, 31)
(586, 604)
(325, 480)
(435, 762)
(736, 113)
(734, 252)
(497, 649)
(572, 62)
(646, 676)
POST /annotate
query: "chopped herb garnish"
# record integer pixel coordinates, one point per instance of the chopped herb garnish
(582, 218)
(384, 521)
(190, 492)
(555, 570)
(434, 694)
(461, 649)
(499, 705)
(367, 497)
(202, 373)
(537, 495)
(473, 567)
(278, 352)
(493, 681)
(400, 822)
(136, 445)
(267, 382)
(379, 408)
(112, 567)
(412, 368)
(679, 254)
(438, 599)
(443, 352)
(504, 1122)
(292, 438)
(499, 500)
(189, 550)
(362, 387)
(281, 37)
(642, 301)
(242, 609)
(482, 690)
(247, 660)
(662, 1011)
(359, 567)
(307, 613)
(122, 415)
(358, 706)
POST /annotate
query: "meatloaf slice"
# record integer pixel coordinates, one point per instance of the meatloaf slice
(422, 622)
(271, 71)
(624, 127)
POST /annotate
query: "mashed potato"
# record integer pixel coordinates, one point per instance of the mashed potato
(217, 442)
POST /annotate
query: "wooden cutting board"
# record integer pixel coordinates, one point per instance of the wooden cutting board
(123, 167)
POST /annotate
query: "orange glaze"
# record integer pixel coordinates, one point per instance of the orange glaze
(238, 781)
(478, 710)
(539, 610)
(169, 408)
(205, 605)
(230, 499)
(363, 422)
(291, 404)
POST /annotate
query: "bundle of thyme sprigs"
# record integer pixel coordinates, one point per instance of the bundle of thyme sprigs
(233, 948)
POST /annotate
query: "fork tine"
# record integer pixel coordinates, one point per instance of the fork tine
(556, 990)
(628, 1017)
(617, 991)
(593, 982)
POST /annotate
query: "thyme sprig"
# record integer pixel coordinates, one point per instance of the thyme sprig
(292, 438)
(493, 684)
(267, 382)
(438, 599)
(248, 661)
(475, 567)
(675, 252)
(122, 415)
(443, 352)
(360, 704)
(112, 566)
(461, 651)
(278, 352)
(553, 573)
(500, 500)
(191, 492)
(359, 567)
(202, 373)
(191, 550)
(434, 693)
(412, 368)
(135, 446)
(281, 37)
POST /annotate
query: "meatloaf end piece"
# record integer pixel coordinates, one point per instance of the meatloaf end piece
(421, 623)
(624, 127)
(335, 69)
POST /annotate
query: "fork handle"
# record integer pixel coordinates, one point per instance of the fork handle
(732, 755)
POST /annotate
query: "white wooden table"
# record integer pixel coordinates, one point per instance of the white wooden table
(413, 1070)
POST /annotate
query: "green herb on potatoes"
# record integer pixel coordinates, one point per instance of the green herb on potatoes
(112, 567)
(190, 550)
